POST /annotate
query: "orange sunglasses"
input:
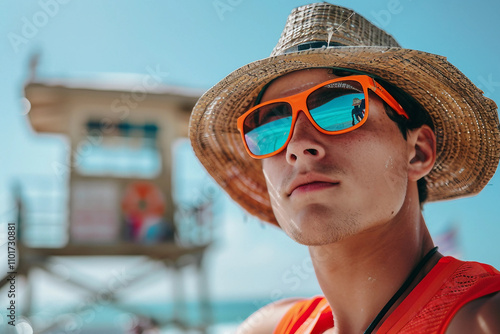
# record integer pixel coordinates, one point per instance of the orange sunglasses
(334, 107)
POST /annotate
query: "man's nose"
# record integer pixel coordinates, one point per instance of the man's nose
(306, 142)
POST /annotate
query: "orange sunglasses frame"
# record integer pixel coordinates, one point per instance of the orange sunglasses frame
(298, 102)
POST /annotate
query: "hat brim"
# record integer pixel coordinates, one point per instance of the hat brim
(466, 123)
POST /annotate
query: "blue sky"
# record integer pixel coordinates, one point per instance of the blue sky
(199, 42)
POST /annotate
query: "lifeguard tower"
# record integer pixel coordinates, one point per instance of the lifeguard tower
(117, 197)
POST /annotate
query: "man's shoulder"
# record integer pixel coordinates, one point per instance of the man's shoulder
(266, 319)
(478, 316)
(479, 303)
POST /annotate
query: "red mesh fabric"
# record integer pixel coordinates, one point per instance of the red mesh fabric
(469, 281)
(434, 313)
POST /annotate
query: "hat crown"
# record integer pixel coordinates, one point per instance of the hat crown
(323, 24)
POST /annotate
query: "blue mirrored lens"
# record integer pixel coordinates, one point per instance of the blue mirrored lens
(337, 106)
(267, 128)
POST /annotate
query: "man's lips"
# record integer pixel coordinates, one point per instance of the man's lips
(310, 183)
(313, 186)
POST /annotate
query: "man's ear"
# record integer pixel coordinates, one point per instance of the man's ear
(422, 150)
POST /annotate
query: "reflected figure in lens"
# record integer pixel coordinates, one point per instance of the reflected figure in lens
(358, 112)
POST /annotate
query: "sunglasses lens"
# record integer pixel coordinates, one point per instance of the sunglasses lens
(337, 106)
(267, 128)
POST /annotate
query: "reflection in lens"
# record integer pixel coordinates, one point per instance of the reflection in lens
(269, 137)
(337, 106)
(267, 128)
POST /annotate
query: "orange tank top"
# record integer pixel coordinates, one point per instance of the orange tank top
(428, 309)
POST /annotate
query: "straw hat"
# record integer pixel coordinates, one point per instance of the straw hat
(466, 123)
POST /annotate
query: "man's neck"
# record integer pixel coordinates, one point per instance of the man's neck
(360, 274)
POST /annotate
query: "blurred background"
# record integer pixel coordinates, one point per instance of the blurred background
(119, 229)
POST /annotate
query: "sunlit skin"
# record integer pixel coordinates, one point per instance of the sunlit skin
(353, 200)
(349, 183)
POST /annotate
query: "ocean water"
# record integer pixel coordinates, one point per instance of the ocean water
(120, 319)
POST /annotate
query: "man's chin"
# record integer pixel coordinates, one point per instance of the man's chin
(311, 235)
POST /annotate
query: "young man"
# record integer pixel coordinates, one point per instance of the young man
(278, 136)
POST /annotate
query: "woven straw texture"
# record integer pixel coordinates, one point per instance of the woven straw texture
(466, 123)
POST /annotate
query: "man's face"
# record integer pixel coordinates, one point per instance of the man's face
(326, 188)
